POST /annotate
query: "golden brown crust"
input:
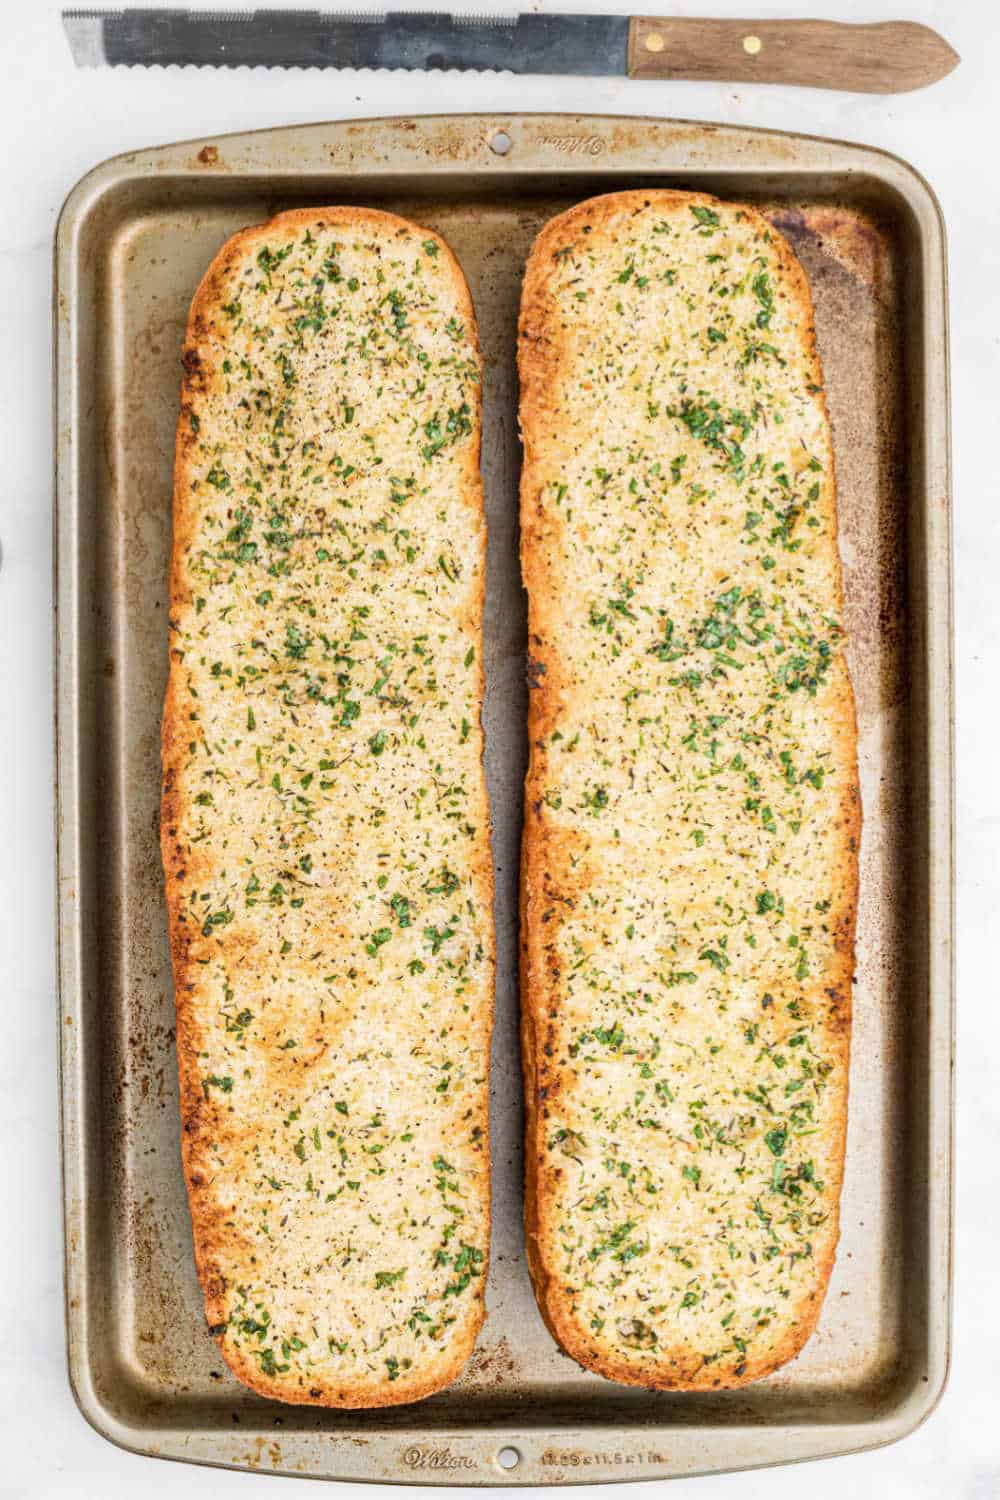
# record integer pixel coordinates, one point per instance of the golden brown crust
(563, 865)
(229, 1248)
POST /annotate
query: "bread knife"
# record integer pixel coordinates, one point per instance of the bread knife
(887, 57)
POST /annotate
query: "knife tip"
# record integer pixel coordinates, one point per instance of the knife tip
(85, 36)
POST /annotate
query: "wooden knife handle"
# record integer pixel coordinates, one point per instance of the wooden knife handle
(889, 57)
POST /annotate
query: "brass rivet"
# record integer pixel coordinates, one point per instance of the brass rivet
(653, 42)
(752, 45)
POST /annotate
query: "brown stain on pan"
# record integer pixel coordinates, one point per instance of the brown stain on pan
(492, 1362)
(848, 257)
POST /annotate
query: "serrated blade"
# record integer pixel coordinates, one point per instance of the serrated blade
(577, 44)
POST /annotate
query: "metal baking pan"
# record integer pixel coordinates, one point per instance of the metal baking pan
(133, 240)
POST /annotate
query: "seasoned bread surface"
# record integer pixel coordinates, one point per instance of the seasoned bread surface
(324, 824)
(692, 811)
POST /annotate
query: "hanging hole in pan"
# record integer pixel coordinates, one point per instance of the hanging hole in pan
(500, 144)
(508, 1458)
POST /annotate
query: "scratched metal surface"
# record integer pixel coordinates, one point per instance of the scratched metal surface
(134, 238)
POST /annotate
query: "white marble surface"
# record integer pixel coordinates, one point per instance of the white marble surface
(57, 123)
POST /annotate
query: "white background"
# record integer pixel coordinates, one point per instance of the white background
(56, 124)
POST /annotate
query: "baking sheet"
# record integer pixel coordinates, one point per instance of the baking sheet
(133, 241)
